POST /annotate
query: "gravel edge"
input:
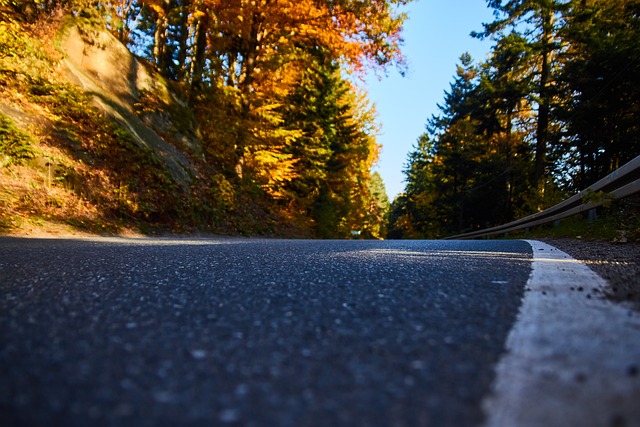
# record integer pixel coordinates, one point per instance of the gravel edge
(618, 264)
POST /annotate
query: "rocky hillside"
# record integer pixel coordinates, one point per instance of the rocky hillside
(93, 139)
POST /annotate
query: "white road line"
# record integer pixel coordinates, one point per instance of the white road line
(572, 357)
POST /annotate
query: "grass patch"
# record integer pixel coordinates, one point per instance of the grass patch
(15, 144)
(620, 222)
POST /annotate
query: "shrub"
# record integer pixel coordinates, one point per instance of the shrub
(15, 144)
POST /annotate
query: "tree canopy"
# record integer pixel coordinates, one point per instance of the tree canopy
(554, 108)
(269, 84)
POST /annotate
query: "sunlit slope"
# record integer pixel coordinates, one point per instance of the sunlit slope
(93, 139)
(120, 84)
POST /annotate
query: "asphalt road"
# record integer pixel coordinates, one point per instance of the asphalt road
(253, 332)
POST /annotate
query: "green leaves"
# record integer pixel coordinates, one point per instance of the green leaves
(555, 108)
(15, 144)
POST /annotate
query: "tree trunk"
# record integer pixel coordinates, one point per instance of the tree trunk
(199, 57)
(508, 158)
(542, 134)
(160, 42)
(249, 54)
(183, 35)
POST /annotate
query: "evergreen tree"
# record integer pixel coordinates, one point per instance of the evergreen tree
(553, 109)
(399, 222)
(601, 79)
(540, 22)
(314, 108)
(379, 207)
(420, 200)
(501, 106)
(334, 153)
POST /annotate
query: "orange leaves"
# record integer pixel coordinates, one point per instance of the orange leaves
(258, 53)
(358, 33)
(158, 6)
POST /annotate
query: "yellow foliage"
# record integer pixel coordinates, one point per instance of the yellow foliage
(273, 170)
(157, 9)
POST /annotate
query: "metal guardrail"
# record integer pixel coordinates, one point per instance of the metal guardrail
(622, 182)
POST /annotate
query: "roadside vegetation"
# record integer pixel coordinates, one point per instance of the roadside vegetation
(185, 116)
(553, 109)
(235, 117)
(618, 222)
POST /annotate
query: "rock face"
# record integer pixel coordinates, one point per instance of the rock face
(104, 67)
(106, 61)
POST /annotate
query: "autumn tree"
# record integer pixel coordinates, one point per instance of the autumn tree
(271, 85)
(255, 42)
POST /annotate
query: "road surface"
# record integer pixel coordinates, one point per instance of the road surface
(152, 332)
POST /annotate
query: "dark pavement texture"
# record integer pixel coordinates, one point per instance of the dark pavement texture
(253, 332)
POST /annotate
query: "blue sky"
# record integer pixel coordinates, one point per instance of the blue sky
(436, 34)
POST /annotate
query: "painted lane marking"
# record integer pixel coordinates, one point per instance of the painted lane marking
(572, 357)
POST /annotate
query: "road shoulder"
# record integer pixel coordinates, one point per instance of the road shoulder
(572, 356)
(617, 263)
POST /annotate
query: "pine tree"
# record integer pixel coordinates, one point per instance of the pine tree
(540, 22)
(334, 152)
(502, 107)
(379, 207)
(601, 75)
